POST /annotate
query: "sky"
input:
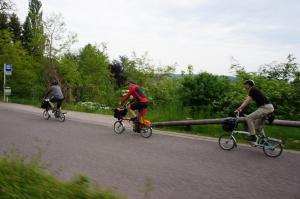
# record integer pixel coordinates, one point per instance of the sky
(202, 33)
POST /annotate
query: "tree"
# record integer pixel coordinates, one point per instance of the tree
(15, 27)
(3, 21)
(284, 71)
(33, 30)
(57, 40)
(6, 6)
(95, 75)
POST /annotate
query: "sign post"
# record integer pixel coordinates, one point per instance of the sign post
(7, 70)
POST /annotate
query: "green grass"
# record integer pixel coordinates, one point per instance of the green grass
(21, 180)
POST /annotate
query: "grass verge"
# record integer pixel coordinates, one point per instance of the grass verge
(19, 179)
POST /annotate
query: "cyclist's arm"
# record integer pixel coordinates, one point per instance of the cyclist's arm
(244, 104)
(126, 97)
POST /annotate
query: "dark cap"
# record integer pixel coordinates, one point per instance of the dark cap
(249, 82)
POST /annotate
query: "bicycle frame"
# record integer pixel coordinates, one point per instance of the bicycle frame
(263, 140)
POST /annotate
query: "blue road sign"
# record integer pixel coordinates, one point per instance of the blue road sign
(8, 69)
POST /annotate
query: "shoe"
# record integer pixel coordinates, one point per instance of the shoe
(253, 140)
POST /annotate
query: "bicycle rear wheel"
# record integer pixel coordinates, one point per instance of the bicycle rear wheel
(146, 132)
(273, 148)
(119, 127)
(62, 117)
(226, 142)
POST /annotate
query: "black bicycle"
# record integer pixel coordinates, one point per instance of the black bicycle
(48, 109)
(143, 127)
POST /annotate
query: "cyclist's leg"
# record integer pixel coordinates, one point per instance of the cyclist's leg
(132, 112)
(251, 118)
(59, 103)
(266, 109)
(52, 102)
(259, 125)
(132, 109)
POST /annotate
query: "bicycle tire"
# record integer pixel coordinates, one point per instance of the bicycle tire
(226, 138)
(119, 127)
(62, 117)
(273, 151)
(46, 115)
(146, 132)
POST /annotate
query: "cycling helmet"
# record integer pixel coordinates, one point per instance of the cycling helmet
(54, 82)
(249, 82)
(131, 82)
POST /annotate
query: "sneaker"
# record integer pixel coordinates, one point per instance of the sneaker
(253, 140)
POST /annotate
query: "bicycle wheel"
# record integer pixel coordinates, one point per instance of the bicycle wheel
(273, 148)
(62, 117)
(146, 132)
(119, 127)
(46, 115)
(226, 142)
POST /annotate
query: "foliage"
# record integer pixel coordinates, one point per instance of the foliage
(33, 30)
(88, 75)
(21, 179)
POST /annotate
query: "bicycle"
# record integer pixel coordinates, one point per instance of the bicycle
(56, 112)
(271, 147)
(145, 128)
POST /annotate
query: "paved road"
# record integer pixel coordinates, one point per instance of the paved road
(178, 168)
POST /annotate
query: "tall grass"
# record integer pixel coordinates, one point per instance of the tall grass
(25, 179)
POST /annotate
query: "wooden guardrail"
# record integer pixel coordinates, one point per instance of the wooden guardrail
(219, 121)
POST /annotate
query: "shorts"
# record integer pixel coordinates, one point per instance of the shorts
(141, 107)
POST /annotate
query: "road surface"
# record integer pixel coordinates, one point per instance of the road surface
(177, 167)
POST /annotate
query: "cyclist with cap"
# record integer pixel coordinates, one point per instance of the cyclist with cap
(139, 102)
(256, 119)
(56, 95)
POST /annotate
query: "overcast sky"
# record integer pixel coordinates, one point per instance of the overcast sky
(203, 33)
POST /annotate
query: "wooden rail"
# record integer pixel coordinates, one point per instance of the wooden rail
(219, 121)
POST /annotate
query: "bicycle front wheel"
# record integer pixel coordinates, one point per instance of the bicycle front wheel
(46, 115)
(273, 148)
(119, 127)
(226, 142)
(146, 132)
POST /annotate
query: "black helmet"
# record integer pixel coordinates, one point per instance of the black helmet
(54, 82)
(249, 82)
(131, 82)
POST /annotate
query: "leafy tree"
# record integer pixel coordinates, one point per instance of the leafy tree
(69, 74)
(15, 27)
(203, 91)
(33, 30)
(57, 39)
(26, 71)
(283, 71)
(95, 75)
(6, 6)
(3, 21)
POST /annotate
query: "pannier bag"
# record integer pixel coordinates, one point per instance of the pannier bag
(120, 113)
(229, 124)
(45, 104)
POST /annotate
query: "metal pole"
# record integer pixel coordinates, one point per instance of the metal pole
(4, 82)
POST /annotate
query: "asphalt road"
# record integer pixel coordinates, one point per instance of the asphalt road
(175, 167)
